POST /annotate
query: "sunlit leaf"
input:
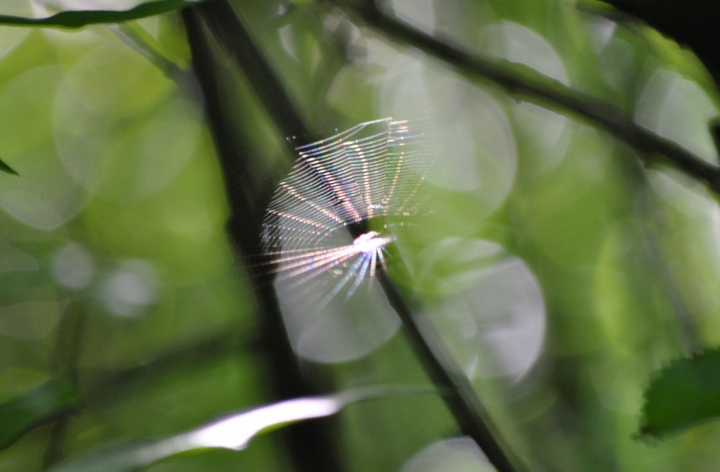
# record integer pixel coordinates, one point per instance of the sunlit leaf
(23, 413)
(233, 432)
(682, 395)
(6, 168)
(80, 18)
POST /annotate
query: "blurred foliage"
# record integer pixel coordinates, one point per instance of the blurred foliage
(23, 413)
(560, 271)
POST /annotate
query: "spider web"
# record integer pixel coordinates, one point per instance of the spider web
(327, 226)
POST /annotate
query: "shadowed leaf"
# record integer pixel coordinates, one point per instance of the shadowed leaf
(682, 395)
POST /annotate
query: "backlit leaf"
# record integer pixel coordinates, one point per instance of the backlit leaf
(233, 432)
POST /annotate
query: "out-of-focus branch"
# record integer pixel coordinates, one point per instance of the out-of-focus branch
(313, 445)
(71, 331)
(522, 81)
(238, 44)
(143, 43)
(108, 386)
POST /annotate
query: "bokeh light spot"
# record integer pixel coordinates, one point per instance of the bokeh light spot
(73, 266)
(130, 289)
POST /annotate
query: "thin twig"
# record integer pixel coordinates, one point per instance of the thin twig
(460, 398)
(525, 82)
(129, 34)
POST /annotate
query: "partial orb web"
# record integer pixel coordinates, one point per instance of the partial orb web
(327, 229)
(320, 216)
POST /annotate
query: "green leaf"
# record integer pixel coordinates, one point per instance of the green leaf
(21, 414)
(233, 432)
(6, 168)
(682, 395)
(80, 18)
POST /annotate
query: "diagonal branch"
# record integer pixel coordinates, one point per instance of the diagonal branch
(522, 81)
(460, 397)
(239, 45)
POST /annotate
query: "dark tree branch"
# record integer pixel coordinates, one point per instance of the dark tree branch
(522, 81)
(311, 445)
